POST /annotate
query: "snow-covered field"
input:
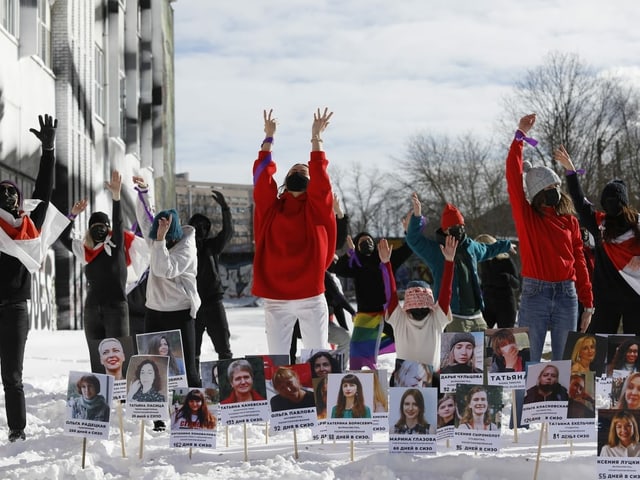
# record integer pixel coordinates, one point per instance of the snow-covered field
(49, 454)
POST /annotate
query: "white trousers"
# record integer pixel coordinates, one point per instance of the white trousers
(281, 315)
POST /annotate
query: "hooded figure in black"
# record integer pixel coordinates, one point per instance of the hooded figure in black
(211, 315)
(18, 228)
(362, 264)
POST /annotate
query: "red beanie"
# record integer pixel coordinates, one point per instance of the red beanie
(451, 216)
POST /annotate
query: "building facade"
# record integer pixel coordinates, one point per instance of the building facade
(104, 69)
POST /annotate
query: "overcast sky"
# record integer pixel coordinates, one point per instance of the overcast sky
(388, 69)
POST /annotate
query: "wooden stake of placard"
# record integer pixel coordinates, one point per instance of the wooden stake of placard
(542, 430)
(121, 424)
(266, 433)
(295, 445)
(514, 415)
(141, 438)
(190, 452)
(84, 450)
(226, 435)
(246, 451)
(351, 451)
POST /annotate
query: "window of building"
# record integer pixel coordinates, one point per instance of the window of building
(44, 31)
(123, 104)
(99, 80)
(8, 15)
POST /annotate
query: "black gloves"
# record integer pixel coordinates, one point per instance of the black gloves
(47, 133)
(218, 197)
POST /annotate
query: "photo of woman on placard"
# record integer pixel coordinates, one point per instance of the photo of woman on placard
(507, 357)
(112, 357)
(320, 394)
(351, 401)
(89, 404)
(412, 374)
(626, 357)
(583, 355)
(193, 413)
(290, 394)
(581, 404)
(477, 415)
(240, 376)
(412, 420)
(447, 412)
(630, 396)
(623, 437)
(323, 363)
(461, 355)
(147, 383)
(547, 387)
(159, 345)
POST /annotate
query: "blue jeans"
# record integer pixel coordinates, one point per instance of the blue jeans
(548, 306)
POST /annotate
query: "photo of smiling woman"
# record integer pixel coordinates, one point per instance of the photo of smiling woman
(477, 411)
(412, 414)
(630, 396)
(241, 378)
(623, 437)
(351, 399)
(447, 412)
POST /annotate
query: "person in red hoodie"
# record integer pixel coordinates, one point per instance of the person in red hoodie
(554, 272)
(295, 238)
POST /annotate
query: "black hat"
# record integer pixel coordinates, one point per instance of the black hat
(463, 337)
(99, 217)
(614, 197)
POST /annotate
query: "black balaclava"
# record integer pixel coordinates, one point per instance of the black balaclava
(10, 198)
(202, 225)
(366, 247)
(552, 197)
(614, 197)
(296, 182)
(99, 226)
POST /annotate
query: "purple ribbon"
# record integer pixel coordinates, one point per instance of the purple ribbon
(260, 168)
(142, 196)
(580, 171)
(353, 258)
(387, 285)
(521, 136)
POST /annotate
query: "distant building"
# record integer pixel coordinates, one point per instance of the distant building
(104, 68)
(194, 196)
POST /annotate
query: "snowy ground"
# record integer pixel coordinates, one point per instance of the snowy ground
(49, 454)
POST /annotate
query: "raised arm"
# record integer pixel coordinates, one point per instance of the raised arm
(384, 252)
(320, 123)
(44, 180)
(144, 209)
(117, 228)
(449, 253)
(218, 242)
(586, 210)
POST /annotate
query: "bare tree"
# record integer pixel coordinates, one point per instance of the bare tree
(591, 114)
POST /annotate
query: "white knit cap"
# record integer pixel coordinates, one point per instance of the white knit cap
(538, 178)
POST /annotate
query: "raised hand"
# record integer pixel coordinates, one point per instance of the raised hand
(270, 123)
(405, 222)
(449, 248)
(417, 206)
(561, 156)
(526, 123)
(140, 182)
(79, 207)
(320, 122)
(384, 250)
(115, 185)
(350, 244)
(164, 223)
(47, 132)
(219, 198)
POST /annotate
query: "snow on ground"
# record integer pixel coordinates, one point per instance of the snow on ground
(49, 454)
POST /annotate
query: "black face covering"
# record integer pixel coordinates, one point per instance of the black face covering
(419, 313)
(366, 247)
(458, 232)
(98, 232)
(9, 198)
(296, 182)
(552, 197)
(202, 229)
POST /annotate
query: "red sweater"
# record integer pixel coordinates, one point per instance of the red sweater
(295, 237)
(550, 245)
